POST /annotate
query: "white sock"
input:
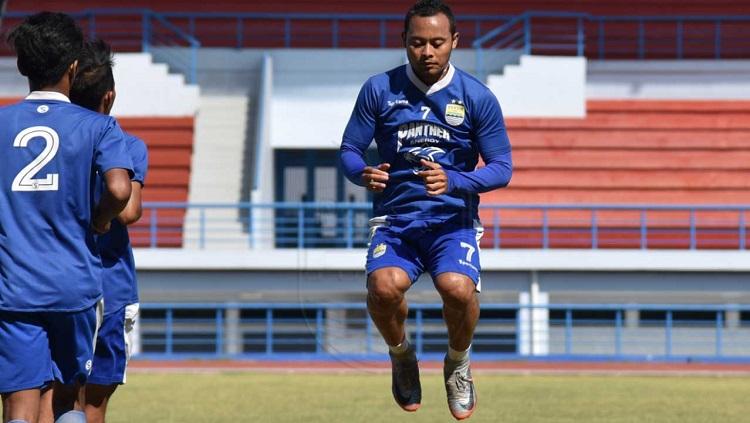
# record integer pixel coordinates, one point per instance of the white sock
(458, 355)
(400, 348)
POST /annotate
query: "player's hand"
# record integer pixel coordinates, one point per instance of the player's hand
(100, 229)
(99, 225)
(435, 179)
(375, 178)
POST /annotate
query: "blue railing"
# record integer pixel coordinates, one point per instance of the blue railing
(160, 32)
(505, 331)
(125, 28)
(129, 29)
(562, 33)
(344, 225)
(329, 30)
(619, 37)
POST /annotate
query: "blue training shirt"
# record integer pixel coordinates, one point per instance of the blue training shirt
(50, 150)
(119, 282)
(452, 123)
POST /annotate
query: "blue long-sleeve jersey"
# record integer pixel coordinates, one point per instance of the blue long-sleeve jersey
(452, 123)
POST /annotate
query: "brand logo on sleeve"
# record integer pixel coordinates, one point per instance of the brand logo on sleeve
(401, 102)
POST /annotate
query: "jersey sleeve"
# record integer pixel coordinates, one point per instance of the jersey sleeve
(494, 148)
(110, 150)
(139, 156)
(359, 133)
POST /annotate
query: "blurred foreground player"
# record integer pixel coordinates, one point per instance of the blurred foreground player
(431, 122)
(50, 272)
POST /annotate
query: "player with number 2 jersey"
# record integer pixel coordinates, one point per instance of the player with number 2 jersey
(50, 272)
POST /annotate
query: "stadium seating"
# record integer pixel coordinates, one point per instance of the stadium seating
(217, 24)
(629, 152)
(170, 143)
(619, 7)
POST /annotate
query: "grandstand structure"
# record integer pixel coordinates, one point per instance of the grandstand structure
(622, 234)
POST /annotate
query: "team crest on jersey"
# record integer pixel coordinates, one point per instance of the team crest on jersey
(379, 250)
(454, 114)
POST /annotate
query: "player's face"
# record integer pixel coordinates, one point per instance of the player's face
(429, 44)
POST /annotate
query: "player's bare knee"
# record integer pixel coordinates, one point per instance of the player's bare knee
(386, 287)
(456, 290)
(384, 295)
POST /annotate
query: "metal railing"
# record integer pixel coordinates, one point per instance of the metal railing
(562, 33)
(295, 30)
(619, 37)
(344, 225)
(128, 29)
(505, 331)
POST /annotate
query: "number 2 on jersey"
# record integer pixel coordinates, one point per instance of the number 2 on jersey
(25, 180)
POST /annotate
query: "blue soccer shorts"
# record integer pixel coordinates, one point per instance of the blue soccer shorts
(113, 347)
(37, 348)
(441, 248)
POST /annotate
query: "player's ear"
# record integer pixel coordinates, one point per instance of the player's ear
(72, 71)
(403, 38)
(455, 39)
(108, 100)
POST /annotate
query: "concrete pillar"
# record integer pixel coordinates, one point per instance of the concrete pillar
(631, 318)
(533, 330)
(232, 332)
(732, 318)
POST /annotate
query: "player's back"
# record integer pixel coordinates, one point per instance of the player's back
(49, 149)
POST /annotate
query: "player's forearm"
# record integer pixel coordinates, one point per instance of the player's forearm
(352, 163)
(115, 196)
(494, 175)
(134, 208)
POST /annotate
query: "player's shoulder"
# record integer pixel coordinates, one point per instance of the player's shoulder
(86, 116)
(134, 143)
(391, 77)
(136, 148)
(76, 117)
(11, 106)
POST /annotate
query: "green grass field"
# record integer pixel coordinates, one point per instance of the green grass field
(309, 398)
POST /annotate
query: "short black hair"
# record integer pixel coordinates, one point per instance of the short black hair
(430, 8)
(46, 44)
(94, 77)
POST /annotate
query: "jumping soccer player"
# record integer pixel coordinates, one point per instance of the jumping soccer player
(50, 272)
(431, 122)
(94, 89)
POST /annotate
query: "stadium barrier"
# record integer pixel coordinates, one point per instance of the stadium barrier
(330, 331)
(344, 225)
(129, 30)
(618, 37)
(555, 33)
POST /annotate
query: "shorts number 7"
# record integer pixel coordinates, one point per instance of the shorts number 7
(469, 250)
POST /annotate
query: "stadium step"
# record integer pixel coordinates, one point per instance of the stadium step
(217, 173)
